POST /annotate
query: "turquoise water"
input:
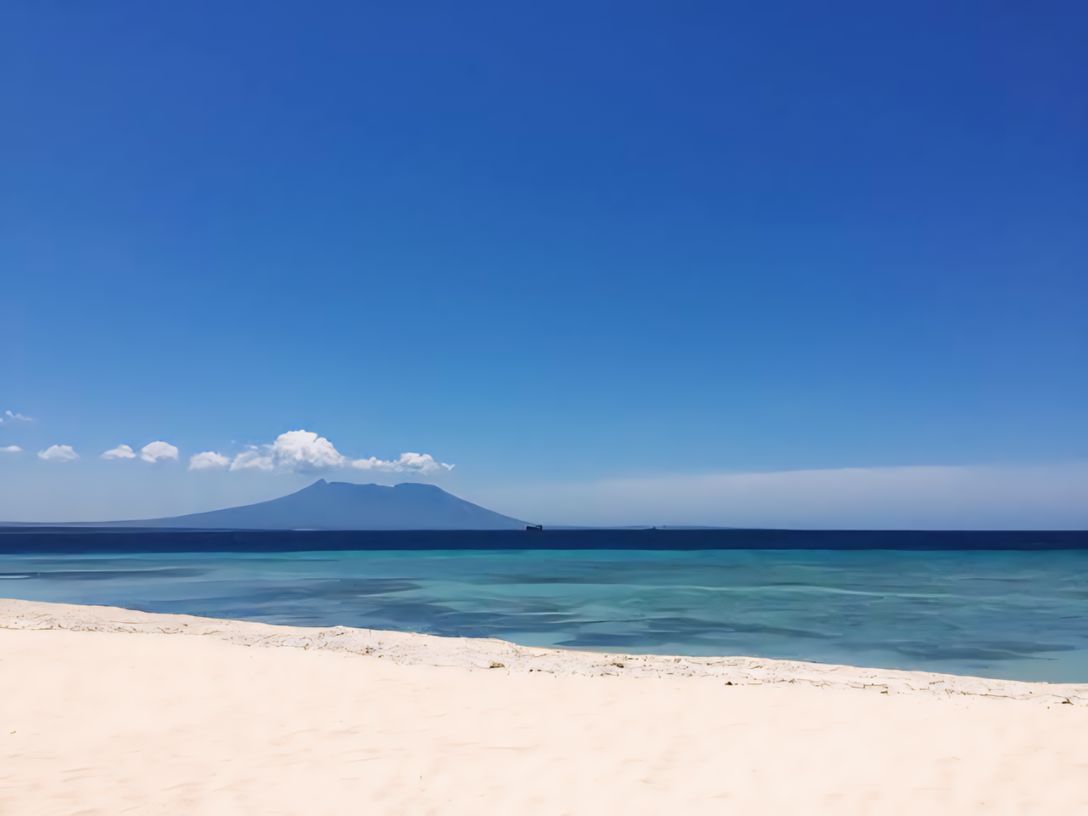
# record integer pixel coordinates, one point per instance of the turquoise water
(1018, 615)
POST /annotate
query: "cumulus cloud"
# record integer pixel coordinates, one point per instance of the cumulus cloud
(407, 461)
(58, 453)
(11, 449)
(253, 459)
(14, 416)
(305, 451)
(208, 460)
(158, 451)
(120, 452)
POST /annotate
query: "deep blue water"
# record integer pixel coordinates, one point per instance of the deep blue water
(1000, 613)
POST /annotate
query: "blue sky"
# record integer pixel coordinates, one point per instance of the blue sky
(570, 248)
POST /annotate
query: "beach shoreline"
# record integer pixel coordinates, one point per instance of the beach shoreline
(412, 648)
(104, 710)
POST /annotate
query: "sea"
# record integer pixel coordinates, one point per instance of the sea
(1003, 605)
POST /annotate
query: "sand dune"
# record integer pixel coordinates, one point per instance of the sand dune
(111, 711)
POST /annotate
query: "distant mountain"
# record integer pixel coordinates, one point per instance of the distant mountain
(344, 506)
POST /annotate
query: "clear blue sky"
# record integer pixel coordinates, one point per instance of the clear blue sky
(566, 247)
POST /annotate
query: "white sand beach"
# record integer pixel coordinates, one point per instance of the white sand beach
(107, 711)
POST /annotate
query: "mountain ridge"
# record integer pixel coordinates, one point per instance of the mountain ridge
(325, 505)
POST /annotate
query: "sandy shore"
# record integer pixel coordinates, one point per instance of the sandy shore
(110, 711)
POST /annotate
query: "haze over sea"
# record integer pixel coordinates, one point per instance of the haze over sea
(1018, 614)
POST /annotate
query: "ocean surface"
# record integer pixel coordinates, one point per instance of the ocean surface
(1011, 613)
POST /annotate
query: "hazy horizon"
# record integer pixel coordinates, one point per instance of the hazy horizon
(863, 499)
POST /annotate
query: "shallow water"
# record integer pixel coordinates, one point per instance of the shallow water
(1020, 615)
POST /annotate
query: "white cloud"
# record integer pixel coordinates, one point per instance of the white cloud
(14, 416)
(120, 452)
(11, 449)
(58, 453)
(208, 460)
(306, 451)
(158, 451)
(407, 461)
(293, 450)
(253, 459)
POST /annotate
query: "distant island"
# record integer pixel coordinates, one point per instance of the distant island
(343, 506)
